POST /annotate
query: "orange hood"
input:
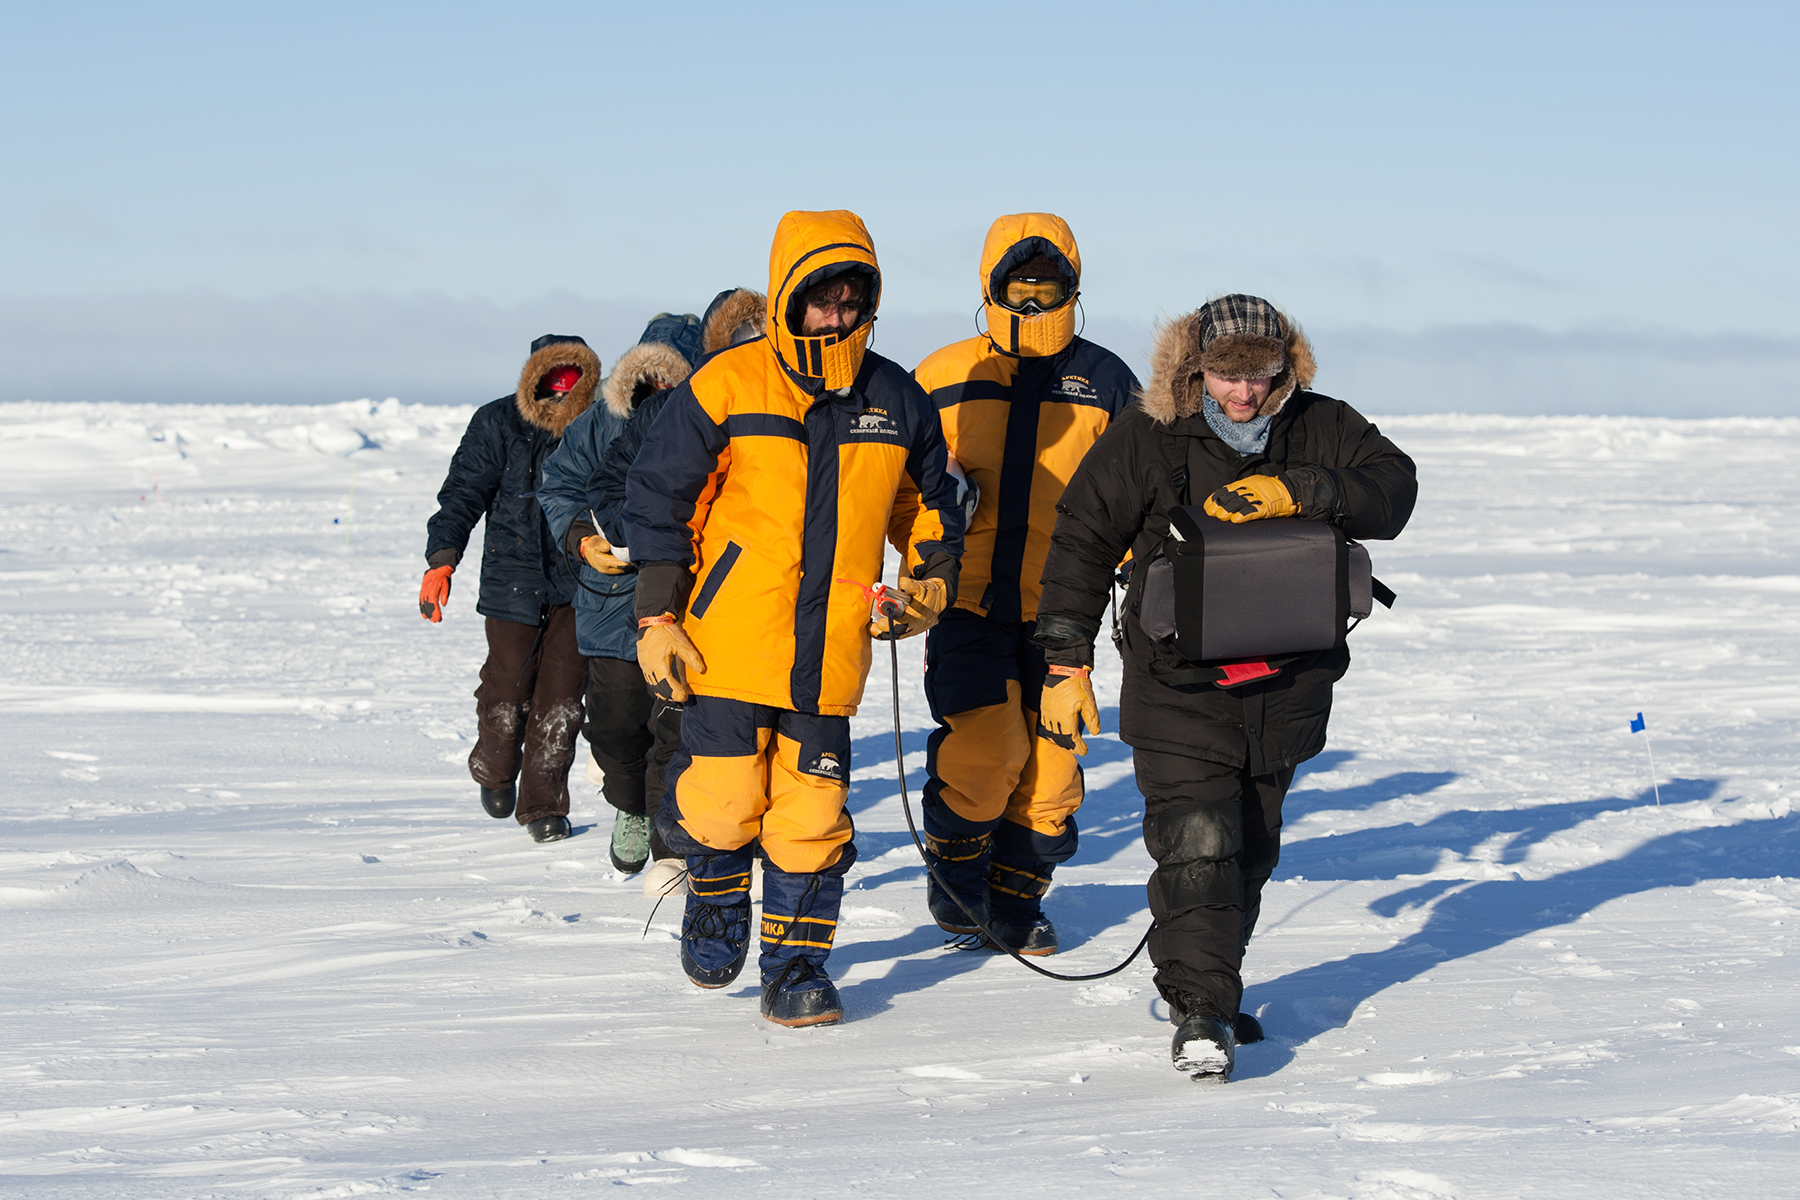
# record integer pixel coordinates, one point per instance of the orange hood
(1010, 241)
(809, 247)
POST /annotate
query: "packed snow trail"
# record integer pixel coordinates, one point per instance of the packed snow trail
(261, 940)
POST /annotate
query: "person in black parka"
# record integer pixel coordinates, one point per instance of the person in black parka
(528, 704)
(1226, 407)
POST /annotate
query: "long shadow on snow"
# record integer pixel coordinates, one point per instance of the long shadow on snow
(1305, 1003)
(1395, 850)
(1083, 911)
(1388, 787)
(913, 970)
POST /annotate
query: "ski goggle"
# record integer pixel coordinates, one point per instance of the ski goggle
(1033, 295)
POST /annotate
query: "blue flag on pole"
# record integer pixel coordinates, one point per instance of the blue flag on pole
(1637, 723)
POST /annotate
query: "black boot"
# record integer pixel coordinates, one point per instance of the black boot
(498, 802)
(549, 829)
(802, 994)
(1204, 1045)
(1247, 1029)
(1033, 939)
(962, 863)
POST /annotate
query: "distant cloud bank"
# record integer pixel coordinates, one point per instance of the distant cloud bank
(440, 350)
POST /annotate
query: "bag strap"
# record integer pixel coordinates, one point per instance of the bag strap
(1174, 451)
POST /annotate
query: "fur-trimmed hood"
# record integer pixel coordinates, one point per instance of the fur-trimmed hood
(646, 367)
(744, 307)
(1176, 362)
(553, 414)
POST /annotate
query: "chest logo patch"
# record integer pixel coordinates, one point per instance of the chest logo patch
(875, 420)
(1076, 388)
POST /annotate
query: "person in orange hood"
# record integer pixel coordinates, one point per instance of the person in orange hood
(755, 512)
(1021, 405)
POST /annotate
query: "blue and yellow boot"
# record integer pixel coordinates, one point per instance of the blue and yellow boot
(1016, 897)
(961, 861)
(799, 922)
(715, 928)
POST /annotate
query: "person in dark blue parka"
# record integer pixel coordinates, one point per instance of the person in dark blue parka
(528, 704)
(620, 717)
(590, 488)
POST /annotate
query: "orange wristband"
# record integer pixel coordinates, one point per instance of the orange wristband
(647, 622)
(1079, 672)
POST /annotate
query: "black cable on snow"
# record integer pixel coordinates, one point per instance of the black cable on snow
(906, 807)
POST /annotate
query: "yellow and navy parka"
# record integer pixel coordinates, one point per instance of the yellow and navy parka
(1020, 407)
(771, 477)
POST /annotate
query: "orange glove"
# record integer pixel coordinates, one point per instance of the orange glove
(926, 600)
(1066, 705)
(598, 553)
(663, 650)
(1251, 499)
(434, 593)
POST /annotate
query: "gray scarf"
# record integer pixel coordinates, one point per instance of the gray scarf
(1252, 437)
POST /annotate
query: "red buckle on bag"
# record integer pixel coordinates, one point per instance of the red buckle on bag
(1243, 672)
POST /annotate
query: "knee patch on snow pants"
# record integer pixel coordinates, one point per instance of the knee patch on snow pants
(1196, 844)
(750, 771)
(1214, 830)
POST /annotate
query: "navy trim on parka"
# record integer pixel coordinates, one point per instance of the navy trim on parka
(688, 457)
(494, 474)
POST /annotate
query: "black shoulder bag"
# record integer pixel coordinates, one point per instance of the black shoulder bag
(1240, 602)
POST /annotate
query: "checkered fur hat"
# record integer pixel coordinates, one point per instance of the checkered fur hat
(1236, 337)
(1242, 337)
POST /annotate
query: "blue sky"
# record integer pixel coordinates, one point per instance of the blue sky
(1394, 175)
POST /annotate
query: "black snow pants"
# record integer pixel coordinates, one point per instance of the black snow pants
(1215, 833)
(618, 729)
(528, 710)
(665, 732)
(633, 735)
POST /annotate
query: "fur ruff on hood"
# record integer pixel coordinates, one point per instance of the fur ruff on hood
(743, 307)
(553, 416)
(1176, 362)
(647, 363)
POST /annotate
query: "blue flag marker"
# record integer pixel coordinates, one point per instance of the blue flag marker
(1638, 726)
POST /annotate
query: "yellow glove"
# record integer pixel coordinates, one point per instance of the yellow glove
(925, 603)
(1066, 705)
(661, 642)
(598, 553)
(1251, 499)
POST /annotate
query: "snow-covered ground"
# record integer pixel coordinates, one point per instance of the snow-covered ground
(261, 941)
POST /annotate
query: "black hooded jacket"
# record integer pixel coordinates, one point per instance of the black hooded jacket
(495, 474)
(1337, 464)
